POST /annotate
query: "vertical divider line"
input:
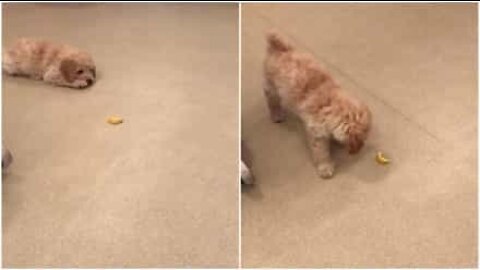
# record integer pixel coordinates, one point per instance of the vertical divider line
(1, 132)
(239, 134)
(478, 134)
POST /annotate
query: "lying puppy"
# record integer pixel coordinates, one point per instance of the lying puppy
(295, 81)
(57, 64)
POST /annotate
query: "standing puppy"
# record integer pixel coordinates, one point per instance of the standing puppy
(57, 64)
(295, 81)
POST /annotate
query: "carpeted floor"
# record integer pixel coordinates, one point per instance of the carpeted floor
(160, 190)
(416, 67)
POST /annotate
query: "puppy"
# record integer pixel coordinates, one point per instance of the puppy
(57, 64)
(295, 82)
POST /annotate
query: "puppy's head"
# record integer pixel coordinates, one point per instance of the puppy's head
(358, 131)
(354, 130)
(78, 72)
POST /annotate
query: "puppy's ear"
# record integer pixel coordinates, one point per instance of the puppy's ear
(67, 69)
(354, 143)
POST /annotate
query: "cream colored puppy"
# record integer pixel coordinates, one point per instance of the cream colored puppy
(58, 64)
(295, 81)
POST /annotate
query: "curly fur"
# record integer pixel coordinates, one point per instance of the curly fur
(295, 82)
(57, 64)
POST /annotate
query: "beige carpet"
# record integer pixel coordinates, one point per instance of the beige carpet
(159, 190)
(415, 65)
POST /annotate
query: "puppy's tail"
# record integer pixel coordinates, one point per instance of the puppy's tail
(277, 43)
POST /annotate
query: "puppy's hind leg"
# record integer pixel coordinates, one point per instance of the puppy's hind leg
(277, 112)
(320, 147)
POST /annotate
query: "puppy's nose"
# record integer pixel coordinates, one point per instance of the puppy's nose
(89, 82)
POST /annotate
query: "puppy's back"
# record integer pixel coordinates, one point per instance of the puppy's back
(31, 56)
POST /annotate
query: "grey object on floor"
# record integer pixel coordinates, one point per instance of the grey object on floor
(7, 158)
(246, 175)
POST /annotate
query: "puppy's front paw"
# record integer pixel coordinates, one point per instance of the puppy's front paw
(326, 170)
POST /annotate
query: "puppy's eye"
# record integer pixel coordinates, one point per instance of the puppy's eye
(80, 72)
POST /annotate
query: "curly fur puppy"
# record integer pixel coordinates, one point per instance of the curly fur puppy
(57, 64)
(295, 82)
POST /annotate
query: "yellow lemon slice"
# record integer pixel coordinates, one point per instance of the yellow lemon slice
(114, 120)
(381, 159)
